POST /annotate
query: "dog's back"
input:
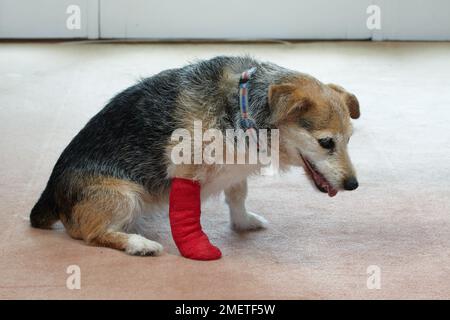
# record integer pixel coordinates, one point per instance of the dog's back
(126, 140)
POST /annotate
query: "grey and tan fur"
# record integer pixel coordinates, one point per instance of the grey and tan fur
(118, 167)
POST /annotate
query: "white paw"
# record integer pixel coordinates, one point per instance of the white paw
(249, 221)
(140, 246)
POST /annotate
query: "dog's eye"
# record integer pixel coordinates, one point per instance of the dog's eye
(326, 143)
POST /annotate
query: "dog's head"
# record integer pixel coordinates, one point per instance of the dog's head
(315, 129)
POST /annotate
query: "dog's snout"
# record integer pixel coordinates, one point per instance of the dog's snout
(350, 183)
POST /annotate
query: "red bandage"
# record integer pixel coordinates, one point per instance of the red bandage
(184, 215)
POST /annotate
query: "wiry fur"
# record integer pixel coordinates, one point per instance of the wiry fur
(118, 166)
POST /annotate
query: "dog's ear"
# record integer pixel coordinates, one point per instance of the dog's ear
(350, 100)
(286, 100)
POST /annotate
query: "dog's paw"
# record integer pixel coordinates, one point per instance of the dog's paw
(140, 246)
(249, 221)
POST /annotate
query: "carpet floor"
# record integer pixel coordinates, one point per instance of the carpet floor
(315, 247)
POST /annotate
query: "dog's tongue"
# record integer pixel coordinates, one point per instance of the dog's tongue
(332, 192)
(320, 180)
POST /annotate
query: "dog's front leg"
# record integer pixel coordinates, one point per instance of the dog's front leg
(240, 218)
(184, 216)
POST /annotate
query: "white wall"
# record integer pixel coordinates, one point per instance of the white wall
(414, 20)
(226, 19)
(255, 19)
(46, 19)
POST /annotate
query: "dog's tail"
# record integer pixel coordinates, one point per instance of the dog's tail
(44, 213)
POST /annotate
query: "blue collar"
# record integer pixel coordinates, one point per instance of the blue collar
(246, 121)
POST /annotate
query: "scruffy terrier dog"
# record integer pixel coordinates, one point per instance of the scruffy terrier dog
(119, 167)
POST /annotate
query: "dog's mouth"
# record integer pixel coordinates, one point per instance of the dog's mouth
(319, 180)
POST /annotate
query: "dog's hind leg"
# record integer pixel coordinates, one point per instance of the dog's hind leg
(108, 207)
(240, 218)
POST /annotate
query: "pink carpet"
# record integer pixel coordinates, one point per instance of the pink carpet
(314, 248)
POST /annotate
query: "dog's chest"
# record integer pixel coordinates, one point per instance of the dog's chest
(224, 176)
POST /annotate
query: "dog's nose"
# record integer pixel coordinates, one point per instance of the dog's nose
(350, 183)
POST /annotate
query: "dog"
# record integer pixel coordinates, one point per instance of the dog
(118, 167)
